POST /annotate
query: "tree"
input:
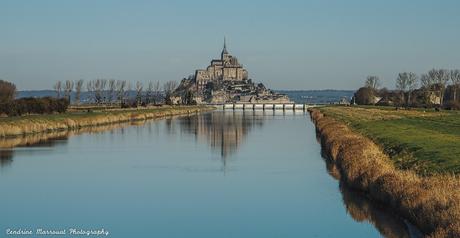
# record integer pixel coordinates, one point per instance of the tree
(90, 89)
(426, 81)
(58, 87)
(149, 92)
(139, 88)
(68, 87)
(406, 83)
(455, 78)
(121, 85)
(103, 90)
(99, 87)
(7, 91)
(372, 82)
(128, 89)
(168, 88)
(78, 88)
(188, 98)
(112, 88)
(364, 96)
(156, 92)
(440, 78)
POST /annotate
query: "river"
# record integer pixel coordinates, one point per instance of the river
(217, 174)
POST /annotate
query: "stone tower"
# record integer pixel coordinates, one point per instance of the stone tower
(225, 56)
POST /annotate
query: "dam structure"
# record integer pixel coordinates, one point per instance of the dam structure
(263, 106)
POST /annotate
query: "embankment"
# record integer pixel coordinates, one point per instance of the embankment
(10, 127)
(431, 203)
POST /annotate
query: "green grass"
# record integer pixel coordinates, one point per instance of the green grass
(425, 141)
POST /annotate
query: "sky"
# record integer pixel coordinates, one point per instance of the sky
(289, 44)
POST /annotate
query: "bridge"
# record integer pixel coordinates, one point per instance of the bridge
(264, 106)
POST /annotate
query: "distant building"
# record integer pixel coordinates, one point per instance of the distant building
(225, 68)
(225, 80)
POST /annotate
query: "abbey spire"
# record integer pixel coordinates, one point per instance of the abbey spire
(224, 50)
(224, 56)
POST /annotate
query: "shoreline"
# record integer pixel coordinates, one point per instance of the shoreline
(431, 203)
(29, 125)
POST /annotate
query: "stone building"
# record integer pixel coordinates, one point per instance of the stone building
(226, 68)
(225, 80)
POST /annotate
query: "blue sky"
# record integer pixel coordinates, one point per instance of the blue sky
(284, 44)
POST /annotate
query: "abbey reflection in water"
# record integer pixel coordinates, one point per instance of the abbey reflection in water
(223, 131)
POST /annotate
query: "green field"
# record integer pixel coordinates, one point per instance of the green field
(425, 141)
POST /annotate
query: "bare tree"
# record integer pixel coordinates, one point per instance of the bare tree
(121, 85)
(78, 87)
(372, 82)
(156, 90)
(104, 90)
(68, 88)
(426, 81)
(455, 78)
(7, 91)
(99, 87)
(128, 90)
(401, 84)
(57, 88)
(441, 78)
(112, 88)
(168, 88)
(406, 83)
(149, 92)
(139, 88)
(90, 88)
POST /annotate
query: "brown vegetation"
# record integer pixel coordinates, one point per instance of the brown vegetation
(431, 203)
(7, 91)
(27, 106)
(68, 121)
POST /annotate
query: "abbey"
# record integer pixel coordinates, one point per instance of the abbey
(225, 68)
(224, 80)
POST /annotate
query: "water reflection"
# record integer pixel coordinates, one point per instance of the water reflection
(362, 209)
(224, 132)
(9, 145)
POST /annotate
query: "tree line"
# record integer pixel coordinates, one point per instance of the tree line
(108, 91)
(436, 88)
(11, 106)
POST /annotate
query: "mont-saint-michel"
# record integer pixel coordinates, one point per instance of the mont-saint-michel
(224, 80)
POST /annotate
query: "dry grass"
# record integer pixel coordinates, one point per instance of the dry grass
(37, 138)
(422, 141)
(47, 123)
(431, 203)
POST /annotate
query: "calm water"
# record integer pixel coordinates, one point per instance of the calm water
(219, 174)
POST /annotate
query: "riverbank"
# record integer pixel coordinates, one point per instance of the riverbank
(18, 126)
(425, 141)
(432, 203)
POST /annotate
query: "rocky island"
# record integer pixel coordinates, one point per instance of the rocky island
(224, 80)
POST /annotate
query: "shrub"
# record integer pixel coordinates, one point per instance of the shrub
(452, 105)
(46, 105)
(7, 91)
(365, 96)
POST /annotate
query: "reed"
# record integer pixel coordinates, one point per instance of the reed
(432, 203)
(18, 126)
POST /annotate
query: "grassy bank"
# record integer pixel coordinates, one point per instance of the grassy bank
(432, 203)
(424, 141)
(16, 126)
